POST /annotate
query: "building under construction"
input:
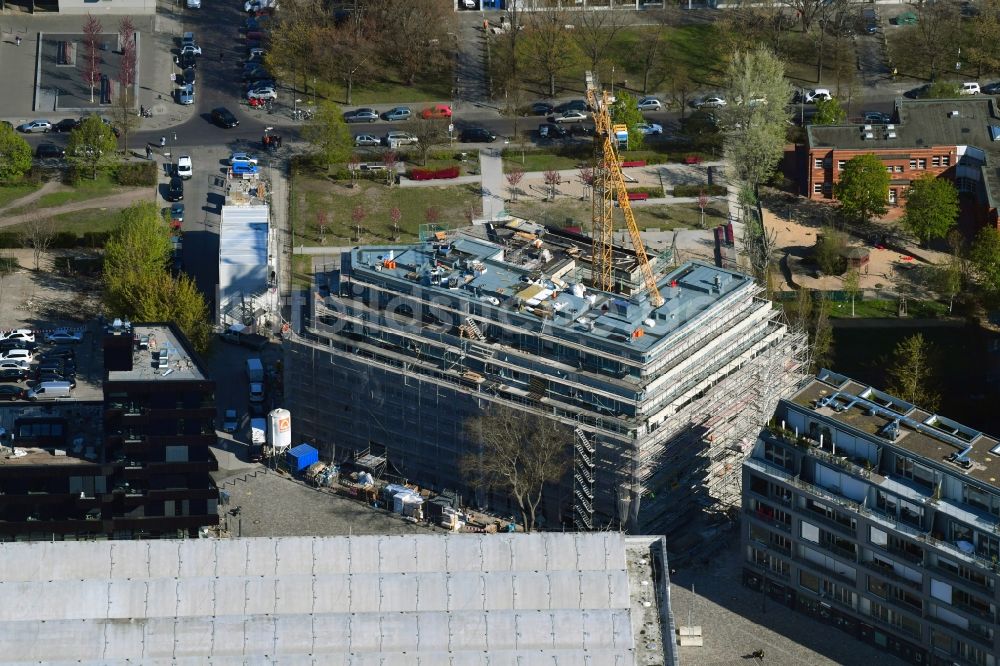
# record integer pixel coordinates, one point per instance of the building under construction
(404, 343)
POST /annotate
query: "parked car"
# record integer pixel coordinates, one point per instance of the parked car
(649, 104)
(187, 40)
(9, 392)
(572, 105)
(190, 49)
(62, 335)
(175, 190)
(42, 377)
(477, 135)
(541, 109)
(551, 131)
(870, 19)
(876, 117)
(17, 355)
(436, 111)
(570, 117)
(13, 375)
(581, 129)
(710, 102)
(14, 365)
(67, 369)
(187, 61)
(187, 76)
(66, 125)
(185, 95)
(400, 139)
(816, 95)
(398, 113)
(223, 117)
(177, 213)
(970, 88)
(991, 88)
(194, 4)
(18, 334)
(185, 169)
(48, 151)
(230, 421)
(263, 92)
(35, 126)
(256, 73)
(361, 116)
(362, 140)
(58, 352)
(650, 129)
(18, 344)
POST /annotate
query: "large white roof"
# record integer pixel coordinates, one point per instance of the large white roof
(554, 598)
(242, 251)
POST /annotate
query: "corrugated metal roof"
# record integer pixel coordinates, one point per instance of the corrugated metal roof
(553, 598)
(242, 250)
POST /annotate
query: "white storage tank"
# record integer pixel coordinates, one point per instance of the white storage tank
(279, 428)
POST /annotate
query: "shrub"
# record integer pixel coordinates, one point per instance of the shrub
(695, 190)
(136, 174)
(71, 176)
(10, 239)
(64, 239)
(94, 239)
(648, 190)
(434, 174)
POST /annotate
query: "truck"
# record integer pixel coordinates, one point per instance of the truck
(258, 437)
(238, 334)
(255, 370)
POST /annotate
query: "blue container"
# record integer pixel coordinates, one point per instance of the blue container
(300, 457)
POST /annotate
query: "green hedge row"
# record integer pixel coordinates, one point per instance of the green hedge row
(695, 190)
(60, 240)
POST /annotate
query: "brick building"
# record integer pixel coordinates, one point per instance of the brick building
(951, 138)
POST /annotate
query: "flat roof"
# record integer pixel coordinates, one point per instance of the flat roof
(535, 276)
(922, 433)
(62, 432)
(554, 598)
(161, 355)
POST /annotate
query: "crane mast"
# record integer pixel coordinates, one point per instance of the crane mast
(609, 185)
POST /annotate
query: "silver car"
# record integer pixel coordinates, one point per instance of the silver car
(34, 126)
(367, 140)
(185, 94)
(398, 113)
(400, 139)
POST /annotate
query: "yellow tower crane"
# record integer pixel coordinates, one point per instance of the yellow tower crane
(609, 184)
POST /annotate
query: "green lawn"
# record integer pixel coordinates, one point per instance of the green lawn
(79, 222)
(312, 196)
(302, 271)
(576, 212)
(86, 189)
(389, 90)
(878, 309)
(538, 160)
(9, 193)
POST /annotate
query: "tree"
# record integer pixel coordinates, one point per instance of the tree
(552, 179)
(127, 59)
(92, 146)
(514, 177)
(984, 29)
(680, 85)
(292, 44)
(432, 215)
(931, 207)
(390, 158)
(863, 188)
(38, 233)
(624, 110)
(754, 121)
(984, 257)
(947, 280)
(943, 90)
(649, 46)
(548, 47)
(15, 154)
(92, 30)
(821, 333)
(829, 250)
(358, 216)
(586, 176)
(852, 285)
(520, 453)
(395, 215)
(348, 51)
(428, 134)
(910, 375)
(806, 10)
(413, 36)
(321, 225)
(328, 132)
(595, 32)
(829, 112)
(936, 34)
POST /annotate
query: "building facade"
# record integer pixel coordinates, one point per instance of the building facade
(131, 462)
(945, 138)
(404, 344)
(879, 518)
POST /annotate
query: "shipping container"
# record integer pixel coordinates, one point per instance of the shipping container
(300, 457)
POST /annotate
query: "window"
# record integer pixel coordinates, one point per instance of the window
(841, 164)
(906, 468)
(809, 581)
(922, 163)
(779, 455)
(888, 169)
(936, 161)
(809, 532)
(817, 188)
(974, 654)
(898, 168)
(892, 195)
(878, 588)
(910, 513)
(981, 499)
(878, 537)
(913, 164)
(946, 160)
(886, 503)
(758, 485)
(912, 600)
(988, 547)
(818, 163)
(941, 641)
(960, 532)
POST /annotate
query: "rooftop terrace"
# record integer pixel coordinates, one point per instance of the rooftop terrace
(903, 425)
(542, 275)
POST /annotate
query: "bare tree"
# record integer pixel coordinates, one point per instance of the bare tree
(937, 33)
(432, 215)
(680, 86)
(595, 32)
(127, 62)
(649, 48)
(759, 245)
(348, 51)
(548, 46)
(358, 216)
(395, 215)
(428, 134)
(92, 30)
(514, 177)
(413, 36)
(38, 233)
(552, 179)
(520, 453)
(390, 159)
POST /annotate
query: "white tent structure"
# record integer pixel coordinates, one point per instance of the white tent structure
(243, 261)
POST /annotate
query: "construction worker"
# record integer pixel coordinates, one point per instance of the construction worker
(17, 40)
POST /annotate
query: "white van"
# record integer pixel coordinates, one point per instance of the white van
(50, 391)
(970, 88)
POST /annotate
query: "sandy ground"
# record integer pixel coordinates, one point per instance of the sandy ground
(44, 299)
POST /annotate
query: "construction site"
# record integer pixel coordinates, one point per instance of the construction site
(661, 373)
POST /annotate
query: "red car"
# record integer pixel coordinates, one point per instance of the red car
(436, 111)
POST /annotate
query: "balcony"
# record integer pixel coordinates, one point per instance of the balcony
(889, 574)
(767, 519)
(820, 569)
(964, 633)
(845, 530)
(940, 571)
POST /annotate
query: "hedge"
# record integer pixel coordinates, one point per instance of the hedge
(60, 240)
(695, 190)
(649, 191)
(139, 173)
(434, 174)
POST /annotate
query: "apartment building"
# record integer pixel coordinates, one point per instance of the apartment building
(405, 343)
(127, 456)
(880, 518)
(949, 138)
